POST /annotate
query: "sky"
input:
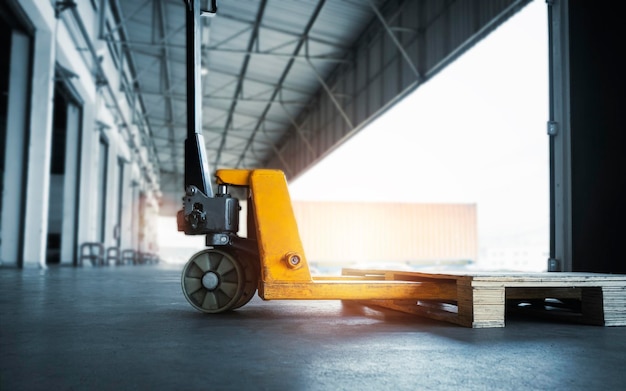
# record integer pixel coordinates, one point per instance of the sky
(475, 133)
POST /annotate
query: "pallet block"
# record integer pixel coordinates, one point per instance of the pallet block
(483, 299)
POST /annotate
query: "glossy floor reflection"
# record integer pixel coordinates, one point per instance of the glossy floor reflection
(131, 328)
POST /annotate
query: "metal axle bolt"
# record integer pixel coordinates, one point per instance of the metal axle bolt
(293, 260)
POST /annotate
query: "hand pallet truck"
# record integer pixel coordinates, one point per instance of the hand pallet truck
(271, 259)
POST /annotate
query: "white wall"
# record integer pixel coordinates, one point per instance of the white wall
(103, 109)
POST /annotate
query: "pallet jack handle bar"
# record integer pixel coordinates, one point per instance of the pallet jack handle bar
(196, 164)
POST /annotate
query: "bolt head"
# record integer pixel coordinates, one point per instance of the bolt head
(293, 260)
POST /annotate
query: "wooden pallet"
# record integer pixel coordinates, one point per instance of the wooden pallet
(483, 299)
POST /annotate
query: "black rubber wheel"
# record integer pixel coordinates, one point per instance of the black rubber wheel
(213, 281)
(251, 268)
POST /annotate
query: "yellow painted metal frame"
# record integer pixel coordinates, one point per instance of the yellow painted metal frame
(284, 269)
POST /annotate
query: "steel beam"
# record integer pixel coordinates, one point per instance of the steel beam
(284, 74)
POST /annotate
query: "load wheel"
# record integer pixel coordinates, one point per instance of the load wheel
(214, 281)
(251, 271)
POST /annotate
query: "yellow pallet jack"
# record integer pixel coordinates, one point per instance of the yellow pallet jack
(271, 260)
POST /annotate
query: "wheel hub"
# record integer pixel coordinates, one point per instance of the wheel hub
(210, 281)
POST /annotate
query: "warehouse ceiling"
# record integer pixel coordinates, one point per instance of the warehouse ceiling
(263, 64)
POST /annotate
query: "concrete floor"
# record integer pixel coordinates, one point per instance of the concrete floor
(130, 328)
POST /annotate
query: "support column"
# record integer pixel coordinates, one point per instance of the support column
(38, 166)
(560, 144)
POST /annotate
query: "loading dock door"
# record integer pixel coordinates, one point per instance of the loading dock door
(14, 86)
(64, 177)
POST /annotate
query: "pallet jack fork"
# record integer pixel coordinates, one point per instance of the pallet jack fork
(271, 260)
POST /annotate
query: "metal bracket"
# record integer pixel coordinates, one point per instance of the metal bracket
(211, 11)
(554, 265)
(61, 6)
(553, 128)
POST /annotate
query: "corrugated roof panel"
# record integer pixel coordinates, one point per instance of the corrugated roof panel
(227, 62)
(290, 15)
(302, 77)
(238, 10)
(276, 41)
(267, 68)
(342, 21)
